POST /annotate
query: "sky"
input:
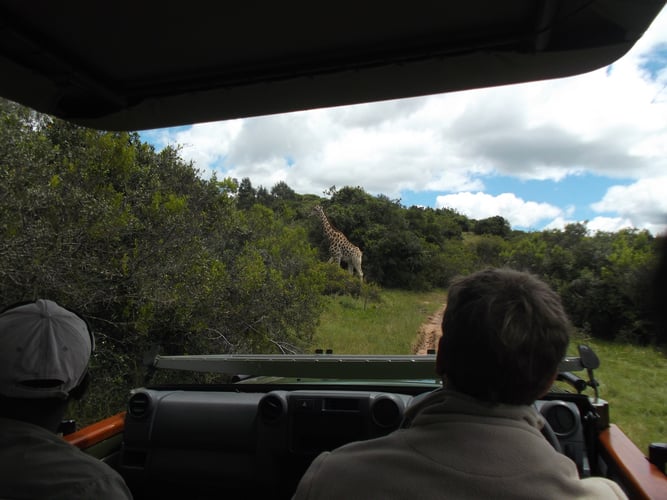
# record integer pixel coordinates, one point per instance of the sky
(590, 148)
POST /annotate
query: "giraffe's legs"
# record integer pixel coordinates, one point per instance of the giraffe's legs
(357, 267)
(354, 264)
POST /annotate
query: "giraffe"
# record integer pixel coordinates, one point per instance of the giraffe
(340, 248)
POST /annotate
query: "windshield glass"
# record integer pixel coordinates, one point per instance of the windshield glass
(340, 229)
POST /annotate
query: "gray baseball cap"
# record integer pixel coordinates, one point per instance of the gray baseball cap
(44, 350)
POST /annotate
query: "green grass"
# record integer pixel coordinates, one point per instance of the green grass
(632, 379)
(349, 326)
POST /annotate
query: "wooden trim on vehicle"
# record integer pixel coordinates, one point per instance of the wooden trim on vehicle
(639, 476)
(97, 432)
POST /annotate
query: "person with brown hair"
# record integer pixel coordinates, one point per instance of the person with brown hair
(44, 355)
(504, 335)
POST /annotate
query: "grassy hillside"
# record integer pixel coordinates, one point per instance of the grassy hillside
(631, 378)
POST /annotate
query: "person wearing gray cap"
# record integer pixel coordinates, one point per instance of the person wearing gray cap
(44, 355)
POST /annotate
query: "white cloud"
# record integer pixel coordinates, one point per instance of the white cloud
(205, 144)
(608, 224)
(643, 204)
(520, 213)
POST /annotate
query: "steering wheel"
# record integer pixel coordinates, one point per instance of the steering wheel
(550, 436)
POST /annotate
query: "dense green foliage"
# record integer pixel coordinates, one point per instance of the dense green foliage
(151, 253)
(146, 250)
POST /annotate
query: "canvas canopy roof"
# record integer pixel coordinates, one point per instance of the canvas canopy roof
(128, 65)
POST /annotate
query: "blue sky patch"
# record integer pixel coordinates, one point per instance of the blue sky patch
(575, 191)
(654, 61)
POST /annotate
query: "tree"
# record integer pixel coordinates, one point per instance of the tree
(281, 191)
(246, 194)
(495, 225)
(489, 250)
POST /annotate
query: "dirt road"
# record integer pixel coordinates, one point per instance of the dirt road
(429, 333)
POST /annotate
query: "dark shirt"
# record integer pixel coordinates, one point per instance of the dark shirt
(36, 463)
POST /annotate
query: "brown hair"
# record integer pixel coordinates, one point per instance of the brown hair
(504, 335)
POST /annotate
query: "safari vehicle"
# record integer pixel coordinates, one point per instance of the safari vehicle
(257, 435)
(138, 65)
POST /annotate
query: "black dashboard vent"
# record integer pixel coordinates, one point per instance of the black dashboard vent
(271, 408)
(386, 412)
(138, 405)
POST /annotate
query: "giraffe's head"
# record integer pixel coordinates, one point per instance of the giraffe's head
(318, 212)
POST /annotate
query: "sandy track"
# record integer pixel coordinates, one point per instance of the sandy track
(429, 333)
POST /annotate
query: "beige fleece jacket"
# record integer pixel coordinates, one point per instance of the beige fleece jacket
(454, 447)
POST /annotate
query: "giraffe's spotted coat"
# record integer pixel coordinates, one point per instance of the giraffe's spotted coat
(340, 248)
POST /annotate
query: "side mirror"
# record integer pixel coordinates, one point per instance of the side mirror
(589, 359)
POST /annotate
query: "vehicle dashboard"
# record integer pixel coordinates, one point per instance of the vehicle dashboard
(247, 440)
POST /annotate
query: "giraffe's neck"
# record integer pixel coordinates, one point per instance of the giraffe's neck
(329, 231)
